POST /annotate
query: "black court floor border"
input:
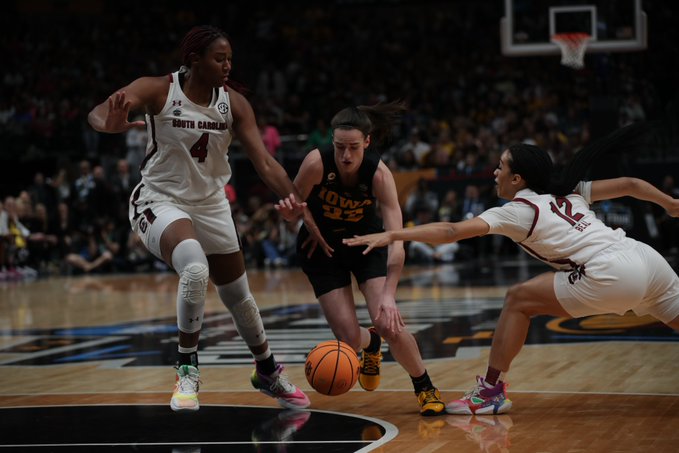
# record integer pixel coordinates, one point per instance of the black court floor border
(214, 428)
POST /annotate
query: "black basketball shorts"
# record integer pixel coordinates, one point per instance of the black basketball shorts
(326, 274)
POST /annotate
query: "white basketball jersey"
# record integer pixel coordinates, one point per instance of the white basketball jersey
(187, 150)
(561, 231)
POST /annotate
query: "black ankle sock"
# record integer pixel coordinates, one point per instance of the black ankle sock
(266, 366)
(188, 358)
(375, 342)
(422, 383)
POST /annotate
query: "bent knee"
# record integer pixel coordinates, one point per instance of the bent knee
(194, 282)
(519, 299)
(386, 334)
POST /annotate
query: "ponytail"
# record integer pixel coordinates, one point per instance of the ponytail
(629, 139)
(536, 168)
(376, 120)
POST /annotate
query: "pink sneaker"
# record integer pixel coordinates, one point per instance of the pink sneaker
(483, 400)
(277, 386)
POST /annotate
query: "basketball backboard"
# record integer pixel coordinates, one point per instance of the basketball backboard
(614, 25)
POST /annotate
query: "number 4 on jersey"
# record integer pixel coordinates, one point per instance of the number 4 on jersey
(199, 149)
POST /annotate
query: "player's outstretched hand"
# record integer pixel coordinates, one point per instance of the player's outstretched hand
(118, 111)
(371, 240)
(289, 208)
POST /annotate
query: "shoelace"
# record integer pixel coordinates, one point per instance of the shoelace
(280, 384)
(371, 363)
(475, 392)
(188, 383)
(429, 396)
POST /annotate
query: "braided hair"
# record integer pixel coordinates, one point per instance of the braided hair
(197, 40)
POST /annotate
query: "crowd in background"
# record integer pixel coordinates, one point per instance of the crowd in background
(297, 64)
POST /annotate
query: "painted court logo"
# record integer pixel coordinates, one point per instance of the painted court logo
(443, 328)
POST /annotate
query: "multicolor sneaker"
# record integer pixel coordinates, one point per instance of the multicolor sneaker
(369, 377)
(185, 396)
(483, 400)
(277, 386)
(431, 403)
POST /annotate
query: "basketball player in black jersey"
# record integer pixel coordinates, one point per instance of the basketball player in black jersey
(342, 187)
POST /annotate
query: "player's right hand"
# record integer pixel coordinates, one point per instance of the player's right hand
(118, 111)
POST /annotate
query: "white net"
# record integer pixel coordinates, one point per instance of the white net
(573, 46)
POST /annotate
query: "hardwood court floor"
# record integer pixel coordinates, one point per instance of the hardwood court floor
(603, 384)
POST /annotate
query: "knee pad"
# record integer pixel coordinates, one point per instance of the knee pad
(190, 263)
(193, 281)
(238, 300)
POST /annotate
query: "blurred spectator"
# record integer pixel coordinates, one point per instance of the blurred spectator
(450, 209)
(64, 229)
(265, 237)
(93, 251)
(122, 183)
(287, 244)
(320, 137)
(270, 135)
(422, 252)
(81, 194)
(295, 116)
(271, 82)
(42, 240)
(42, 192)
(135, 141)
(103, 202)
(61, 185)
(472, 203)
(421, 197)
(417, 146)
(14, 235)
(437, 157)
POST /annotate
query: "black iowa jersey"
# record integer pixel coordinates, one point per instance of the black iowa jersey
(341, 211)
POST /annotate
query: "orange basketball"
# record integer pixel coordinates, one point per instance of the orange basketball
(332, 368)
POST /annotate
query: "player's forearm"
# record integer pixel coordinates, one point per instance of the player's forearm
(275, 177)
(642, 190)
(97, 120)
(395, 263)
(432, 233)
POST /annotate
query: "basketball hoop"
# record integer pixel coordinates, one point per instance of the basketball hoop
(572, 47)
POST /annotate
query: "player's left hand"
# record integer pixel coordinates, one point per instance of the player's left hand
(316, 238)
(389, 317)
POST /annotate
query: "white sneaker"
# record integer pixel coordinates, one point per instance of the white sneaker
(185, 396)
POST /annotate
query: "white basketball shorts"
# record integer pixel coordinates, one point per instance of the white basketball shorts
(150, 213)
(630, 275)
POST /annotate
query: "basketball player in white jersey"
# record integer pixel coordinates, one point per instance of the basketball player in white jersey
(180, 210)
(599, 270)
